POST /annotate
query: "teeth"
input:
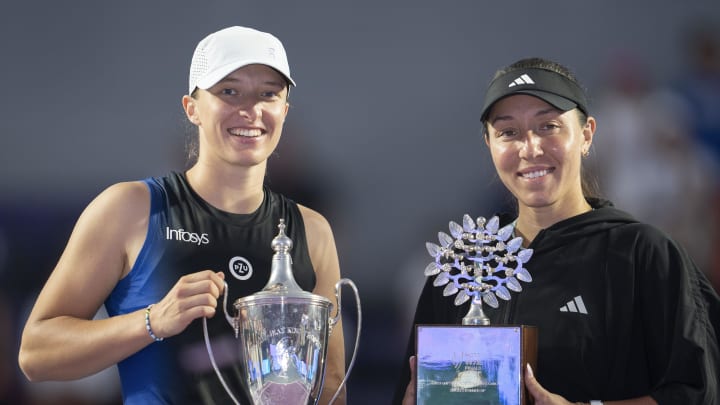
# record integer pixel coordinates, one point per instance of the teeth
(245, 132)
(535, 174)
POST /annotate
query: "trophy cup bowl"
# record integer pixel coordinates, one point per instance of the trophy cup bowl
(284, 344)
(282, 334)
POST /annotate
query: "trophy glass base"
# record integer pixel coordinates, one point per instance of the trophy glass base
(276, 393)
(469, 364)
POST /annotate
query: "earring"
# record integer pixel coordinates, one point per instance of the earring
(586, 153)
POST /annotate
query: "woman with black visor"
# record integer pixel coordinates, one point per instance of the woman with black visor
(645, 324)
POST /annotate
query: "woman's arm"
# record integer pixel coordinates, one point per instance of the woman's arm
(324, 257)
(681, 339)
(61, 341)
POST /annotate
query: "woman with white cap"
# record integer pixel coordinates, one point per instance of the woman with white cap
(157, 252)
(623, 314)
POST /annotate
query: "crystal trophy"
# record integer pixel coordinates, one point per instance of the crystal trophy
(283, 334)
(476, 362)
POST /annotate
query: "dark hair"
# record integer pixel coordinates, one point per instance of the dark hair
(538, 63)
(192, 142)
(589, 183)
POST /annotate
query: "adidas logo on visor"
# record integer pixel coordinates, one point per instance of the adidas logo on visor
(524, 79)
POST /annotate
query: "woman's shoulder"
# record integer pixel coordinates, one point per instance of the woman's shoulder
(123, 198)
(315, 222)
(644, 233)
(625, 225)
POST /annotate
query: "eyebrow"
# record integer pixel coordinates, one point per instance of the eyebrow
(539, 113)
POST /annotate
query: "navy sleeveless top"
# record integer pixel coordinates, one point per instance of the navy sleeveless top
(187, 235)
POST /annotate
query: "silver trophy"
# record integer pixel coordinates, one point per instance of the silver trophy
(475, 362)
(283, 335)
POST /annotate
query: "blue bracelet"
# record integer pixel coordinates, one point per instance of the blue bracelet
(147, 324)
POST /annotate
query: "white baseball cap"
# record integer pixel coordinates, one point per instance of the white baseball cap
(224, 51)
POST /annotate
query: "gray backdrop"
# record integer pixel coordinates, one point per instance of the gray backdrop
(383, 134)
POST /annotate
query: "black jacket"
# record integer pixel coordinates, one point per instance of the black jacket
(650, 322)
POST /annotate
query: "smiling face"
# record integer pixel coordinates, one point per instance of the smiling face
(240, 118)
(537, 152)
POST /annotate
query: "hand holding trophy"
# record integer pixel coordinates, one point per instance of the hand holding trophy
(480, 262)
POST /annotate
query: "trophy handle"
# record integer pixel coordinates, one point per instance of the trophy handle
(234, 323)
(334, 320)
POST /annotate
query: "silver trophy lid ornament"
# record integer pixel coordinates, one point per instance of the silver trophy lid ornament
(477, 262)
(282, 283)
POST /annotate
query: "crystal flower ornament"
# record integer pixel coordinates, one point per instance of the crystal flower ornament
(478, 261)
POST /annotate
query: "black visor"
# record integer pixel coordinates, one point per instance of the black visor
(553, 88)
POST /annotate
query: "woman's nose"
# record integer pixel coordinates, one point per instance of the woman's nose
(532, 146)
(249, 109)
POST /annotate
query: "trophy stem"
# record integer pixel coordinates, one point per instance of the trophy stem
(475, 315)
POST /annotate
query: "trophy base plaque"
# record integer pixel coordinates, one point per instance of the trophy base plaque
(469, 364)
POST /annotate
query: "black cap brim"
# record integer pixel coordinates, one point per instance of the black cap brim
(551, 87)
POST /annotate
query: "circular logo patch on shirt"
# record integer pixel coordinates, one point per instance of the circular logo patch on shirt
(240, 268)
